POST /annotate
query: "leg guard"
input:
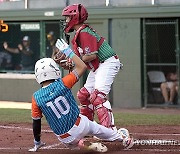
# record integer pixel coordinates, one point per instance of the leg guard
(86, 107)
(104, 113)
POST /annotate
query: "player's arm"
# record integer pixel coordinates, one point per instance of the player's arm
(37, 129)
(79, 68)
(89, 47)
(88, 58)
(70, 79)
(63, 47)
(36, 115)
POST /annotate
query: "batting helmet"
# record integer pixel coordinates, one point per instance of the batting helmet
(77, 13)
(46, 69)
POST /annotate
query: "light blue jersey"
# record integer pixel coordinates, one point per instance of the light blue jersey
(58, 106)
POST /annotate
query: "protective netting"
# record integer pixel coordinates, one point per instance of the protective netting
(160, 51)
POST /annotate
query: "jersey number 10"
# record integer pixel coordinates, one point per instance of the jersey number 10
(58, 105)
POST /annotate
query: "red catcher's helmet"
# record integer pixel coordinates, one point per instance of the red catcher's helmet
(77, 13)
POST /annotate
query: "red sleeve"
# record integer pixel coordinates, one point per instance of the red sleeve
(35, 111)
(88, 43)
(69, 80)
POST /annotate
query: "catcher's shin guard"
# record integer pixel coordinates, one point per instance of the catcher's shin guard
(103, 108)
(86, 107)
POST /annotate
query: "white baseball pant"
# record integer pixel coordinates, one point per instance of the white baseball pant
(103, 78)
(85, 128)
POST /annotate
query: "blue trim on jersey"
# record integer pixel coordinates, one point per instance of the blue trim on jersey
(58, 106)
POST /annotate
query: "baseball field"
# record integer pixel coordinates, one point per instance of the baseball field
(155, 130)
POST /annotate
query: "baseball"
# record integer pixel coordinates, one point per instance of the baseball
(99, 147)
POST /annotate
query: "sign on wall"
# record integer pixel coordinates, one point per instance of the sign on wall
(3, 26)
(30, 27)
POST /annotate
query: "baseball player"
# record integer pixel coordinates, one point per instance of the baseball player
(56, 102)
(100, 59)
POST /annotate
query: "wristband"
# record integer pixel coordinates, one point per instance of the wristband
(71, 55)
(67, 51)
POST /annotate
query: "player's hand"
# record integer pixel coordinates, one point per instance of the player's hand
(37, 145)
(63, 47)
(20, 47)
(5, 45)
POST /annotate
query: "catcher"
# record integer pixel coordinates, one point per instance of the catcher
(56, 102)
(99, 58)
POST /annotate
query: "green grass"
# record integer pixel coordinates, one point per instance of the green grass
(15, 115)
(125, 119)
(146, 119)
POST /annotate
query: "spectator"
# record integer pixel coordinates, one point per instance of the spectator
(51, 49)
(170, 88)
(5, 60)
(27, 55)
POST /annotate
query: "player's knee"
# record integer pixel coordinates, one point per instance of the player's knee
(88, 112)
(97, 98)
(83, 95)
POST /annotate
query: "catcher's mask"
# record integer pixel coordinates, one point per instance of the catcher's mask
(78, 14)
(46, 69)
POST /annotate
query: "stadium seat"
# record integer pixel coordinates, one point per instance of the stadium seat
(155, 79)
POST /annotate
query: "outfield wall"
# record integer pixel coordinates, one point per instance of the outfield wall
(121, 27)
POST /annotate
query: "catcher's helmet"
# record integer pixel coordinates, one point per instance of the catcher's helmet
(46, 69)
(77, 13)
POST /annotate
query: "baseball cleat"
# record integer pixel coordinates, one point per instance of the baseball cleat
(99, 147)
(36, 147)
(123, 132)
(128, 142)
(32, 149)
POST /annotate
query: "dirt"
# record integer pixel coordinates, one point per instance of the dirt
(18, 138)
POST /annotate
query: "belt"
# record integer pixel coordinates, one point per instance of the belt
(115, 56)
(65, 135)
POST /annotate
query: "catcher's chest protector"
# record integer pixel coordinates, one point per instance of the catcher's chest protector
(94, 64)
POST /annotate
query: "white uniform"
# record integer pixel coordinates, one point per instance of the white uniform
(87, 127)
(103, 77)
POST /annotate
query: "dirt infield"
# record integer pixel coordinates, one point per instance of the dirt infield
(18, 138)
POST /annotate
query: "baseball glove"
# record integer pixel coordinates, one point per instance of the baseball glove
(59, 56)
